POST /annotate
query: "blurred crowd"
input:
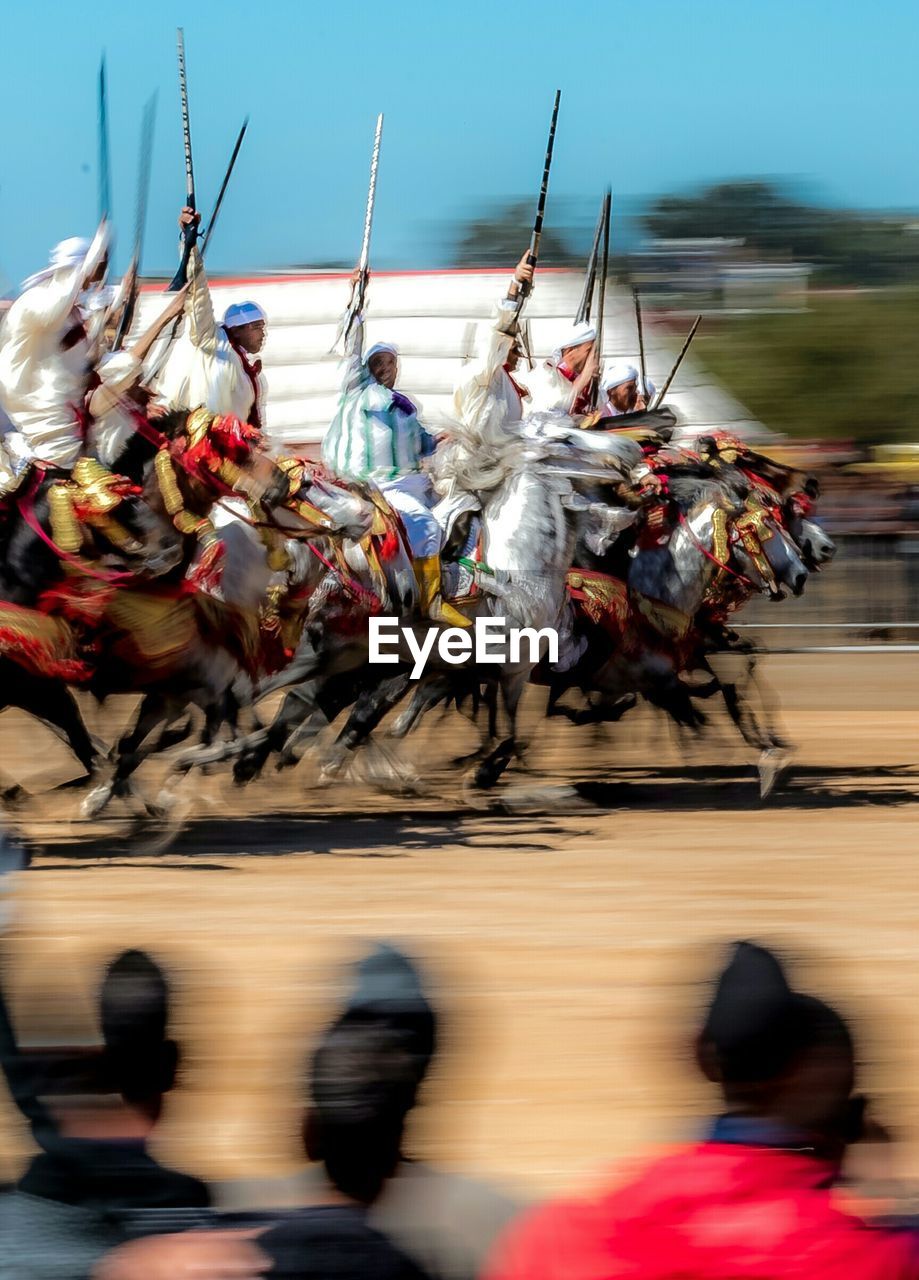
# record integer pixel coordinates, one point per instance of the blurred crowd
(762, 1192)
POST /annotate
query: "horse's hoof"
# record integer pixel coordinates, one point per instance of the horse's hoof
(772, 765)
(246, 769)
(13, 796)
(97, 800)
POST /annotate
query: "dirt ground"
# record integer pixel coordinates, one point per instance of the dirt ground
(569, 951)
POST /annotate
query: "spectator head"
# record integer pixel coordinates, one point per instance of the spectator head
(362, 1085)
(140, 1060)
(777, 1053)
(388, 990)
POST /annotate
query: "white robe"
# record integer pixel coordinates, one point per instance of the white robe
(203, 368)
(43, 386)
(113, 426)
(484, 397)
(550, 391)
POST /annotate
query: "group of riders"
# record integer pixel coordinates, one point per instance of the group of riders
(128, 474)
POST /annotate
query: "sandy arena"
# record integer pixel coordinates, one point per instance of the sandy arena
(567, 949)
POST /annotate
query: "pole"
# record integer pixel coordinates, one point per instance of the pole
(679, 360)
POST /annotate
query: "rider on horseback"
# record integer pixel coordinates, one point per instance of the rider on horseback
(46, 360)
(214, 365)
(376, 436)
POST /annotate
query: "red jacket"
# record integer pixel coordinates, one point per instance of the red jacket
(722, 1212)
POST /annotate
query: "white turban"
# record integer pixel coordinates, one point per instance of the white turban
(241, 313)
(616, 375)
(381, 348)
(576, 336)
(66, 256)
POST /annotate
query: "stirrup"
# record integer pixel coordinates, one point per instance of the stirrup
(440, 611)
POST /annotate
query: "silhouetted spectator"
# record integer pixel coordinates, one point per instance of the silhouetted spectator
(444, 1221)
(78, 1196)
(755, 1199)
(361, 1087)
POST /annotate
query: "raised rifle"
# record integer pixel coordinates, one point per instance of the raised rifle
(603, 268)
(641, 343)
(140, 221)
(355, 306)
(189, 233)
(205, 240)
(523, 290)
(591, 274)
(679, 360)
(105, 177)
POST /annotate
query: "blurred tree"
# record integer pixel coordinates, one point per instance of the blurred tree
(497, 239)
(846, 367)
(851, 248)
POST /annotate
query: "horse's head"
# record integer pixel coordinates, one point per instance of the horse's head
(310, 504)
(765, 551)
(816, 546)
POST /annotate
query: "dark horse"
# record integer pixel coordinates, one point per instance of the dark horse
(145, 547)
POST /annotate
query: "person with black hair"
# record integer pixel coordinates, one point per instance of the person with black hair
(755, 1199)
(361, 1086)
(80, 1196)
(446, 1222)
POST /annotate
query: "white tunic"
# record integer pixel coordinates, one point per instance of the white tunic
(485, 398)
(375, 435)
(204, 368)
(42, 384)
(550, 390)
(114, 426)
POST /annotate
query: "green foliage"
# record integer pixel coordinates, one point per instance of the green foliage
(847, 247)
(846, 368)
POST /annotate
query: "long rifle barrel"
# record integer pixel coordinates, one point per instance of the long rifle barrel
(189, 233)
(223, 187)
(105, 180)
(140, 220)
(679, 360)
(603, 268)
(591, 275)
(641, 342)
(536, 235)
(359, 286)
(371, 194)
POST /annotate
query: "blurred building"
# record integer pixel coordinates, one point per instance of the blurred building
(716, 273)
(431, 316)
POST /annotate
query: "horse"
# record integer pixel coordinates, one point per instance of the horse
(531, 516)
(218, 643)
(667, 626)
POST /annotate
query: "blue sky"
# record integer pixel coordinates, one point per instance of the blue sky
(656, 95)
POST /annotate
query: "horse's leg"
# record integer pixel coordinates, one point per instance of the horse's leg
(427, 695)
(746, 705)
(129, 753)
(490, 770)
(298, 706)
(51, 702)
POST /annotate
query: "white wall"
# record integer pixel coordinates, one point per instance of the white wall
(431, 317)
